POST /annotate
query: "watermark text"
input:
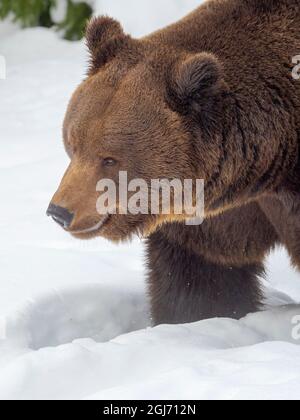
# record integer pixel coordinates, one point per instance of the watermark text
(156, 197)
(296, 69)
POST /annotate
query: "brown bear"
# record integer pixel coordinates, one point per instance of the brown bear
(211, 97)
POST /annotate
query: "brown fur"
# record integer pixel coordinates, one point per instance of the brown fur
(210, 97)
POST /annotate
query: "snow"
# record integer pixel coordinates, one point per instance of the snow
(148, 15)
(59, 11)
(74, 316)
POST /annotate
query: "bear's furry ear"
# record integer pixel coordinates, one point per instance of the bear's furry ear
(196, 85)
(104, 37)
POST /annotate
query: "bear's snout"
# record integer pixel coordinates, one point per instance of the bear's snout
(60, 215)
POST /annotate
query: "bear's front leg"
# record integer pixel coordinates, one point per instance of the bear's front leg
(283, 211)
(185, 287)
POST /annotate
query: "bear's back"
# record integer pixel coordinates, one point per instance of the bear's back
(256, 41)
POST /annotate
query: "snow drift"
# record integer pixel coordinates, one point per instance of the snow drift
(74, 316)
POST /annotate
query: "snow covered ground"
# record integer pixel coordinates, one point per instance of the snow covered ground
(74, 317)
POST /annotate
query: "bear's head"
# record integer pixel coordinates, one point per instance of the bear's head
(145, 109)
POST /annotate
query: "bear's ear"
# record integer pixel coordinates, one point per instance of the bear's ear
(104, 37)
(196, 85)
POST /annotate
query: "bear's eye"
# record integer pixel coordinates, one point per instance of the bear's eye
(109, 162)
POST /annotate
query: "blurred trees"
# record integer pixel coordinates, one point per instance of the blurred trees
(68, 16)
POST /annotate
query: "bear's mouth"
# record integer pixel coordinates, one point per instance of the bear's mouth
(93, 229)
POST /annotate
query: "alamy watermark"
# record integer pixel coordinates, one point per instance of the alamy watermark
(296, 329)
(158, 197)
(296, 69)
(2, 67)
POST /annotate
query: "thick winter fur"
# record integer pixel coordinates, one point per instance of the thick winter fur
(210, 97)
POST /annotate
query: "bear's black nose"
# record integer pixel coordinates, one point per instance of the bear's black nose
(60, 215)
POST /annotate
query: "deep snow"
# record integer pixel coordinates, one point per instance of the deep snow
(68, 310)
